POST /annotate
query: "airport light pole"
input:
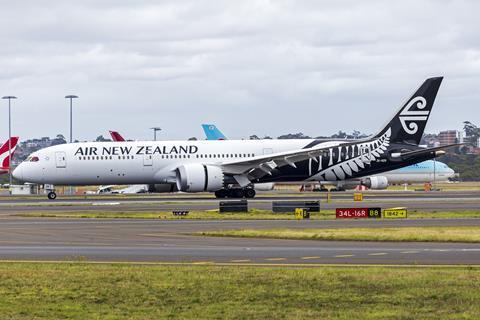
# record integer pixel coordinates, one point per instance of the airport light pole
(71, 97)
(155, 129)
(9, 98)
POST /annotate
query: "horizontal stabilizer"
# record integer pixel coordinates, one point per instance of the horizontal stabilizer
(435, 150)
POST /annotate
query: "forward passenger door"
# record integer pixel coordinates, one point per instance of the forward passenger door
(60, 159)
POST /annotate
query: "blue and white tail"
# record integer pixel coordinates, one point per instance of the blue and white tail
(212, 133)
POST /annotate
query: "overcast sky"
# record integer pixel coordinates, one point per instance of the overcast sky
(251, 67)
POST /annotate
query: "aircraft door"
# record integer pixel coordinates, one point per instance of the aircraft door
(147, 160)
(61, 159)
(366, 154)
(267, 150)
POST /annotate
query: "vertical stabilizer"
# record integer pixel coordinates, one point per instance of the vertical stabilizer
(409, 122)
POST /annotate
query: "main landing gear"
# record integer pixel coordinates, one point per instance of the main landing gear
(235, 193)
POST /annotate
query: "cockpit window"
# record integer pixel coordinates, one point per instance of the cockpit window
(32, 159)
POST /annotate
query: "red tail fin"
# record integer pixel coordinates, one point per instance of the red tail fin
(116, 136)
(4, 158)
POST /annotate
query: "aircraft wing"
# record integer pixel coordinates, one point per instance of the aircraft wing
(258, 166)
(246, 170)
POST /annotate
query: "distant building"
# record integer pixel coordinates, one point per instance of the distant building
(449, 137)
(460, 136)
(28, 146)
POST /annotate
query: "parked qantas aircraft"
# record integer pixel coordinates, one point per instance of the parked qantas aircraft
(117, 137)
(4, 154)
(230, 167)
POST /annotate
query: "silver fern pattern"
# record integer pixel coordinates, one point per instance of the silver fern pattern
(351, 158)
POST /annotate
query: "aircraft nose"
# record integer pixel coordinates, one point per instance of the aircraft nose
(451, 172)
(18, 173)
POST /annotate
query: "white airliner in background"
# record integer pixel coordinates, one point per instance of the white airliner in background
(423, 172)
(426, 171)
(231, 167)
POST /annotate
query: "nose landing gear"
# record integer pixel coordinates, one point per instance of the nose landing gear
(235, 193)
(52, 195)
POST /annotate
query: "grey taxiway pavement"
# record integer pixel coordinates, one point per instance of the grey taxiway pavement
(171, 241)
(429, 201)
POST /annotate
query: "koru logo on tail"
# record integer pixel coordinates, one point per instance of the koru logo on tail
(409, 118)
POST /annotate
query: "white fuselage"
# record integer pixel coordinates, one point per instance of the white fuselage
(139, 162)
(426, 171)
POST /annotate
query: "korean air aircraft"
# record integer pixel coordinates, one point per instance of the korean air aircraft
(230, 167)
(212, 132)
(426, 171)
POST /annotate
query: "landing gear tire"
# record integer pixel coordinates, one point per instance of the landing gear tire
(249, 193)
(237, 193)
(52, 195)
(221, 193)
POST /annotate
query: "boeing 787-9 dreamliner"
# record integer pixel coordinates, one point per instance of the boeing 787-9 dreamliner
(231, 167)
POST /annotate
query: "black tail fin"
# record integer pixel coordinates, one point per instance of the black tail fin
(408, 124)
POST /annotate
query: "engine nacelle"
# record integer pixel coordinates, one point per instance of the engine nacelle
(267, 186)
(197, 177)
(162, 187)
(376, 183)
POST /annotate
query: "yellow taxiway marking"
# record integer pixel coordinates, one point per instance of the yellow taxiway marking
(308, 258)
(241, 260)
(276, 259)
(203, 262)
(409, 252)
(344, 256)
(226, 264)
(377, 254)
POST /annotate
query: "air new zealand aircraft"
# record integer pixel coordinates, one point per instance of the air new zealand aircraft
(230, 168)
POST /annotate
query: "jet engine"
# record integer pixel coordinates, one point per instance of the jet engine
(197, 177)
(376, 183)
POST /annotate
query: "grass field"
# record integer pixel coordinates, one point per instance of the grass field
(87, 291)
(208, 214)
(214, 215)
(428, 234)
